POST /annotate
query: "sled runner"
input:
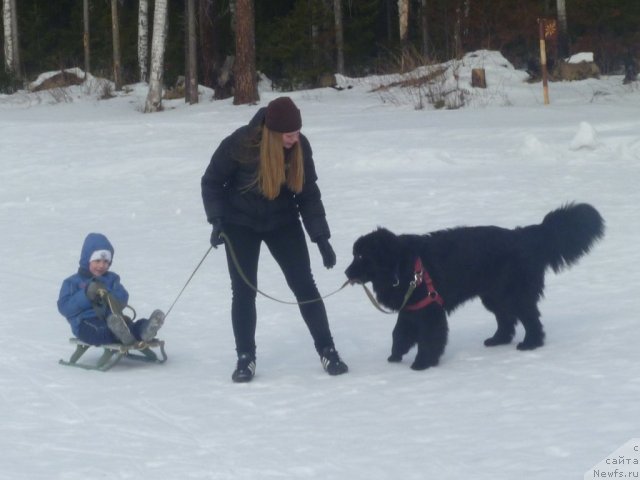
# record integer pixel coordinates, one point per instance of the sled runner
(114, 352)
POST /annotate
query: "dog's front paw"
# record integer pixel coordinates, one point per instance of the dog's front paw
(393, 358)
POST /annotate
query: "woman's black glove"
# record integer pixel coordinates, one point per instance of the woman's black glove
(215, 233)
(328, 255)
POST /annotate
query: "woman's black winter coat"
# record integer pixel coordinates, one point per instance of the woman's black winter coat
(230, 191)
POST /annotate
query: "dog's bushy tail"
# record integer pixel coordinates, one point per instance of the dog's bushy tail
(570, 232)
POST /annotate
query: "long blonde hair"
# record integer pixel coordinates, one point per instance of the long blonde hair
(273, 172)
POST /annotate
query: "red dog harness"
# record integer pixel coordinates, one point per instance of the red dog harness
(422, 276)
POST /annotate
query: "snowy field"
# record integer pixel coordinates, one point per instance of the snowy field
(72, 164)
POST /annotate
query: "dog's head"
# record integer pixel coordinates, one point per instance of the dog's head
(375, 258)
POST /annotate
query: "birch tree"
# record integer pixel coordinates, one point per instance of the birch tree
(246, 85)
(158, 42)
(11, 48)
(143, 40)
(115, 30)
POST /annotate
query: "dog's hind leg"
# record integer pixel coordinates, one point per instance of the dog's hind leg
(404, 336)
(432, 336)
(506, 324)
(505, 331)
(534, 333)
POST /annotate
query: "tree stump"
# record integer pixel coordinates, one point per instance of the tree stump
(478, 78)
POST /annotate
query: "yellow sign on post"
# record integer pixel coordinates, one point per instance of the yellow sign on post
(548, 30)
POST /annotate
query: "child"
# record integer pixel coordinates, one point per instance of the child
(92, 300)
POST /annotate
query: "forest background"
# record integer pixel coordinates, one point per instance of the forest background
(295, 41)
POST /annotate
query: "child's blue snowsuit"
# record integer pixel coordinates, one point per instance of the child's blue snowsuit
(89, 323)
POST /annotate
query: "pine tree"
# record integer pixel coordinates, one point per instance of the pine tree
(246, 87)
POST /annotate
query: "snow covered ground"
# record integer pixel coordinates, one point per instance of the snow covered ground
(72, 164)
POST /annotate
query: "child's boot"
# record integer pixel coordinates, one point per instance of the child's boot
(153, 325)
(120, 329)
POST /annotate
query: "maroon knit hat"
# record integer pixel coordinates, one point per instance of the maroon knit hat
(283, 116)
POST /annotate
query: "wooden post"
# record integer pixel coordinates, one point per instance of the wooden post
(543, 61)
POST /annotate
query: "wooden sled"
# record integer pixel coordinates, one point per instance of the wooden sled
(114, 352)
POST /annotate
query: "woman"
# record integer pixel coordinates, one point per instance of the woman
(260, 181)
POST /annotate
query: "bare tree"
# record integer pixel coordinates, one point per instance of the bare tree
(115, 30)
(337, 15)
(86, 37)
(158, 42)
(191, 63)
(11, 44)
(143, 40)
(246, 87)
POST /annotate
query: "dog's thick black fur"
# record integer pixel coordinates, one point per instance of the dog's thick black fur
(505, 268)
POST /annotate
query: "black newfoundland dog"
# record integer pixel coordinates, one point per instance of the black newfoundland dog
(424, 277)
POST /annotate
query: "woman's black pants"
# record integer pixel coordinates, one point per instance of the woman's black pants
(288, 246)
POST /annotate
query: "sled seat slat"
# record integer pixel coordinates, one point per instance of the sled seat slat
(114, 352)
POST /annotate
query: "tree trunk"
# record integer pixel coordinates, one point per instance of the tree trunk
(403, 17)
(7, 13)
(337, 15)
(424, 28)
(158, 42)
(563, 31)
(246, 88)
(191, 63)
(85, 38)
(457, 33)
(16, 40)
(208, 56)
(389, 17)
(143, 40)
(115, 29)
(11, 50)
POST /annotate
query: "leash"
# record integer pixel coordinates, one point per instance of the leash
(374, 302)
(420, 276)
(246, 280)
(116, 307)
(187, 282)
